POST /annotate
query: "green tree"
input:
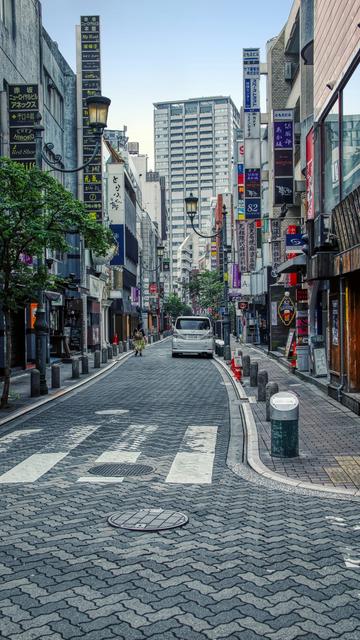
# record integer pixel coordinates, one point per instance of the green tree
(174, 307)
(206, 290)
(36, 212)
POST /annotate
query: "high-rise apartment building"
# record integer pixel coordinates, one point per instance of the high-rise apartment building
(193, 142)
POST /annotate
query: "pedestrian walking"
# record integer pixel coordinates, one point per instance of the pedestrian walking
(139, 340)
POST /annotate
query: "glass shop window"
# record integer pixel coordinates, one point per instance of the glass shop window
(331, 162)
(350, 124)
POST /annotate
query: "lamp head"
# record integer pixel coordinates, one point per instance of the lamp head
(191, 203)
(98, 107)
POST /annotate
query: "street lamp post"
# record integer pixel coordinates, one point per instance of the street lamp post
(98, 111)
(191, 203)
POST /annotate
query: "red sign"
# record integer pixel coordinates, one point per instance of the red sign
(310, 174)
(153, 287)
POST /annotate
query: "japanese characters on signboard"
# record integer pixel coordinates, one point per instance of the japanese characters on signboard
(91, 85)
(283, 129)
(23, 104)
(242, 246)
(252, 245)
(119, 257)
(251, 82)
(241, 182)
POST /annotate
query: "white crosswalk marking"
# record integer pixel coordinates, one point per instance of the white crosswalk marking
(7, 441)
(112, 412)
(195, 460)
(35, 466)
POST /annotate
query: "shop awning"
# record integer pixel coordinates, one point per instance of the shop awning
(294, 264)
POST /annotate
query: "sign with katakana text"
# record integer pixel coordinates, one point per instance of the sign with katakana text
(283, 137)
(23, 104)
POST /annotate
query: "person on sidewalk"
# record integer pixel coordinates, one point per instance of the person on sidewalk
(139, 340)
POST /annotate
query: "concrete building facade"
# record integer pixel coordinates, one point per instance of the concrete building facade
(193, 152)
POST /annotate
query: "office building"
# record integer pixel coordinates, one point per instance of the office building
(193, 142)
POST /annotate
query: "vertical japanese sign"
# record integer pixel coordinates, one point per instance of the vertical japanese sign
(241, 181)
(310, 174)
(252, 245)
(252, 161)
(91, 85)
(242, 246)
(23, 104)
(283, 130)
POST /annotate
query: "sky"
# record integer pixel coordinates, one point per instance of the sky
(160, 50)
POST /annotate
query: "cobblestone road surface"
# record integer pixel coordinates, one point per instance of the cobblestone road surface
(253, 562)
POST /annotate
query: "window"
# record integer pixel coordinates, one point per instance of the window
(350, 124)
(7, 15)
(330, 132)
(191, 108)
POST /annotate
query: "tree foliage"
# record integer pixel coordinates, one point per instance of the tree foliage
(206, 290)
(174, 307)
(36, 213)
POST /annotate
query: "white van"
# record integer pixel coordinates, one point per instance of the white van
(193, 335)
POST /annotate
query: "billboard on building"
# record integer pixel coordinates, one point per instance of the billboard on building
(90, 86)
(310, 175)
(23, 104)
(252, 160)
(283, 135)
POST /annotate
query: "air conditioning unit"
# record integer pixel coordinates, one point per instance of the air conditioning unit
(322, 231)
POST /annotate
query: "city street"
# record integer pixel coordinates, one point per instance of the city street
(255, 560)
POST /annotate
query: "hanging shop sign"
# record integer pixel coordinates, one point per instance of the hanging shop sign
(252, 245)
(286, 310)
(23, 104)
(252, 144)
(91, 85)
(242, 246)
(283, 134)
(153, 288)
(310, 175)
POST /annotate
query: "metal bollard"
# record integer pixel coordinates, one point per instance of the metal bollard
(254, 368)
(263, 379)
(97, 359)
(55, 376)
(246, 366)
(284, 415)
(125, 346)
(84, 364)
(270, 389)
(110, 353)
(35, 383)
(104, 355)
(114, 350)
(120, 347)
(75, 367)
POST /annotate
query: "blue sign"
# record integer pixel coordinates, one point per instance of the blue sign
(295, 240)
(283, 135)
(252, 208)
(119, 257)
(247, 104)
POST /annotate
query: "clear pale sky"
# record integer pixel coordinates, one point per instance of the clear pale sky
(158, 50)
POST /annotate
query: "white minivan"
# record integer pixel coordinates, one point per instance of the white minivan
(193, 335)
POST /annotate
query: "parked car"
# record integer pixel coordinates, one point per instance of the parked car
(193, 335)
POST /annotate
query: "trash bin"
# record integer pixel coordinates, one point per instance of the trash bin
(284, 417)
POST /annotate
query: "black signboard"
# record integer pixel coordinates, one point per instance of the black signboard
(23, 104)
(91, 85)
(284, 191)
(283, 162)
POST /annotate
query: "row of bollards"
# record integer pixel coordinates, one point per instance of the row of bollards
(79, 366)
(282, 410)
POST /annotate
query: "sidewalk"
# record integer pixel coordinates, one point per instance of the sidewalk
(329, 447)
(20, 400)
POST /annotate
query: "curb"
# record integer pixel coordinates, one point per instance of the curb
(62, 392)
(252, 449)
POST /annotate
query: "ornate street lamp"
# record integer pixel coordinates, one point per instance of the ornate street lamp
(191, 203)
(98, 107)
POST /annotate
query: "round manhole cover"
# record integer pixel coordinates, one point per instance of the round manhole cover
(148, 520)
(124, 469)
